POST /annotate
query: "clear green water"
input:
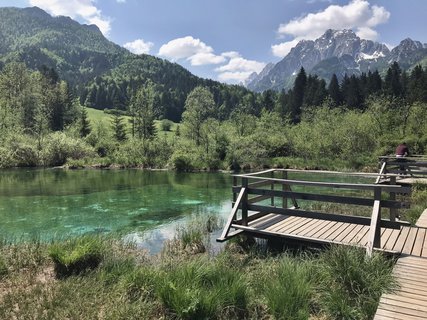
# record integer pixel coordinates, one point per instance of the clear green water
(144, 205)
(61, 203)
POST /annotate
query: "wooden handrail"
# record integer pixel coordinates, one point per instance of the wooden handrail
(232, 215)
(338, 185)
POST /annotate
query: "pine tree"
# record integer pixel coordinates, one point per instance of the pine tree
(334, 91)
(298, 95)
(119, 128)
(84, 123)
(392, 82)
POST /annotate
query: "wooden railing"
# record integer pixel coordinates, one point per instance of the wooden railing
(258, 194)
(414, 166)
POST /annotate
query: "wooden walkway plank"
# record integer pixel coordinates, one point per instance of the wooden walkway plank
(288, 222)
(349, 231)
(313, 225)
(387, 314)
(310, 224)
(401, 239)
(288, 228)
(422, 220)
(391, 240)
(419, 241)
(334, 231)
(353, 234)
(322, 225)
(410, 240)
(409, 301)
(321, 232)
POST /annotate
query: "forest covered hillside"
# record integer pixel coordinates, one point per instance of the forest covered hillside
(102, 74)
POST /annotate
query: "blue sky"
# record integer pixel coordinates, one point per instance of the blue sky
(227, 40)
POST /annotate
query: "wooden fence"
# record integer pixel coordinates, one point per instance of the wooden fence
(270, 192)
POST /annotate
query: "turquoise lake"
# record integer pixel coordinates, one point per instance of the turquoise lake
(146, 206)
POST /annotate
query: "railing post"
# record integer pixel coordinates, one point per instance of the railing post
(393, 211)
(284, 198)
(234, 185)
(245, 203)
(374, 234)
(272, 187)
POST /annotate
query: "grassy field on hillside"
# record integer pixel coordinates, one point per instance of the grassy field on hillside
(99, 117)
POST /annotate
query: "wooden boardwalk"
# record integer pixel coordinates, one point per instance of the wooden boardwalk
(407, 240)
(409, 301)
(266, 206)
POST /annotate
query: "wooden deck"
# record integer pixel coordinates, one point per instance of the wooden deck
(407, 240)
(269, 208)
(410, 300)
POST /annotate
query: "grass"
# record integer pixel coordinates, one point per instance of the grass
(76, 256)
(247, 283)
(96, 116)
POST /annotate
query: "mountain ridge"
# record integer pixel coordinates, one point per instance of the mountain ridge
(101, 73)
(319, 54)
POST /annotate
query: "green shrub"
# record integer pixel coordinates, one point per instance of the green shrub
(166, 125)
(24, 152)
(76, 256)
(352, 284)
(182, 162)
(58, 147)
(6, 159)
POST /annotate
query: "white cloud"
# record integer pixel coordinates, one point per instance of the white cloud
(204, 58)
(139, 46)
(238, 68)
(84, 9)
(282, 49)
(198, 53)
(121, 1)
(191, 49)
(235, 77)
(357, 14)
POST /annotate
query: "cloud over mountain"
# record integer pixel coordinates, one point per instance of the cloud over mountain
(139, 46)
(83, 9)
(358, 15)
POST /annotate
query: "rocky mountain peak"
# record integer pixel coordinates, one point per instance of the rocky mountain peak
(340, 52)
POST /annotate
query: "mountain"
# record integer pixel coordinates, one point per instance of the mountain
(340, 52)
(102, 74)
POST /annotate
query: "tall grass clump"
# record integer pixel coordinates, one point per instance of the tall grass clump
(76, 256)
(288, 289)
(351, 283)
(3, 267)
(193, 237)
(201, 289)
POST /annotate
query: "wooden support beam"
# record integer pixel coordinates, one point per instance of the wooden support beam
(244, 202)
(374, 236)
(232, 215)
(393, 211)
(382, 171)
